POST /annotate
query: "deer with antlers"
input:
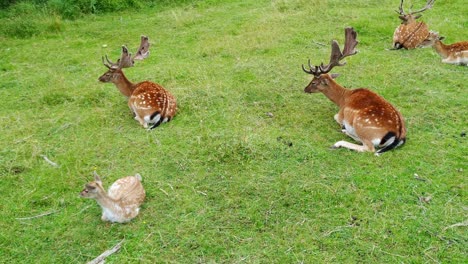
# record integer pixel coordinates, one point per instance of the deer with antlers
(411, 32)
(363, 115)
(456, 53)
(150, 103)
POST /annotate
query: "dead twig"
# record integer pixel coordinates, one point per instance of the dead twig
(464, 223)
(37, 216)
(163, 191)
(53, 164)
(100, 258)
(338, 229)
(416, 177)
(319, 44)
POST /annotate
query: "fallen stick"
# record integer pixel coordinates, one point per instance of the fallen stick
(464, 223)
(100, 258)
(36, 216)
(318, 43)
(53, 164)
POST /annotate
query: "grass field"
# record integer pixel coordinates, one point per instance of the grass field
(225, 181)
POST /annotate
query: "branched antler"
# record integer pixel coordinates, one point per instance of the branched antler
(336, 55)
(428, 5)
(126, 60)
(143, 50)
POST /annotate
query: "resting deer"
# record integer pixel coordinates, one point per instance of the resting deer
(363, 115)
(121, 203)
(411, 32)
(150, 103)
(456, 53)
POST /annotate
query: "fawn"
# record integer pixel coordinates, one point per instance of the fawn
(411, 32)
(456, 53)
(121, 202)
(363, 115)
(150, 103)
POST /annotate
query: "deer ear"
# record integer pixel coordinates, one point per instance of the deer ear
(418, 16)
(334, 75)
(441, 38)
(97, 179)
(325, 81)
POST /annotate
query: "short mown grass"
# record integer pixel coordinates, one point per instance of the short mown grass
(244, 172)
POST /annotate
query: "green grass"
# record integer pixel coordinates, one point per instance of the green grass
(225, 182)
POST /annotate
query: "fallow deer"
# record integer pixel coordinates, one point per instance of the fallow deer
(456, 53)
(363, 115)
(122, 201)
(411, 32)
(150, 103)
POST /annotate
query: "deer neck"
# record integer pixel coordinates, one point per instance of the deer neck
(106, 202)
(441, 48)
(336, 93)
(125, 86)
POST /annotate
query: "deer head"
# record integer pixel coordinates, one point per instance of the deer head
(94, 189)
(114, 72)
(322, 79)
(431, 39)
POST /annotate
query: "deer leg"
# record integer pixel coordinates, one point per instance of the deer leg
(352, 146)
(357, 139)
(337, 119)
(136, 116)
(141, 121)
(104, 218)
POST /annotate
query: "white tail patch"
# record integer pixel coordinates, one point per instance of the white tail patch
(138, 176)
(155, 118)
(387, 143)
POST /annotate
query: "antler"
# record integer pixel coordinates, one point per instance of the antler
(428, 5)
(400, 9)
(143, 50)
(126, 60)
(336, 54)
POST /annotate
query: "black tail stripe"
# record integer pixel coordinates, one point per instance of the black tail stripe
(154, 114)
(394, 144)
(388, 136)
(155, 125)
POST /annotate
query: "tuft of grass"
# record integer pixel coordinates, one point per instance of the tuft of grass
(244, 172)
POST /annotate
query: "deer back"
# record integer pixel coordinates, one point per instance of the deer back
(366, 109)
(411, 32)
(128, 191)
(410, 35)
(149, 98)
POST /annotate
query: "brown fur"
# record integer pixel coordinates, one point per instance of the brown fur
(146, 99)
(122, 201)
(410, 33)
(456, 53)
(364, 115)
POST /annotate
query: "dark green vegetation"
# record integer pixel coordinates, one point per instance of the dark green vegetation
(225, 181)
